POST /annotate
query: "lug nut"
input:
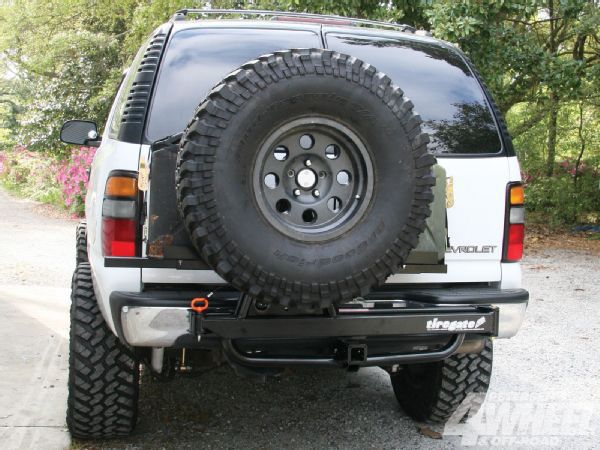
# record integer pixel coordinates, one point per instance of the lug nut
(296, 192)
(308, 163)
(316, 193)
(261, 306)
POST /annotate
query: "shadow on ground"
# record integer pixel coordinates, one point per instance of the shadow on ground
(303, 408)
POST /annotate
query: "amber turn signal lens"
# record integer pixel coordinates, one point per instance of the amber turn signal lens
(517, 195)
(121, 187)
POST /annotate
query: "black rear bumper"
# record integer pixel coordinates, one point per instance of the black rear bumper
(416, 318)
(403, 325)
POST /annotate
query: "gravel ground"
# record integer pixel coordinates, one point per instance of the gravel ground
(552, 361)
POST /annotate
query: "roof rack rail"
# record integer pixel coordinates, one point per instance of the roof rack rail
(183, 13)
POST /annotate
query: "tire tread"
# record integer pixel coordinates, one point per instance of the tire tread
(103, 373)
(447, 385)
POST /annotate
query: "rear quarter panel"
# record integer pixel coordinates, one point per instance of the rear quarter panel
(111, 155)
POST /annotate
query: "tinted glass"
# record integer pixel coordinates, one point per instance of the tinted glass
(445, 93)
(197, 59)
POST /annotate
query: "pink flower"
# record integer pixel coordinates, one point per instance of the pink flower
(72, 175)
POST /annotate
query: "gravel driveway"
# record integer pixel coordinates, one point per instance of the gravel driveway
(553, 360)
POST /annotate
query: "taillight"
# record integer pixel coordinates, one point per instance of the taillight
(120, 214)
(515, 223)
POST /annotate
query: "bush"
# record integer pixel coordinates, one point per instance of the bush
(30, 174)
(42, 177)
(557, 201)
(72, 175)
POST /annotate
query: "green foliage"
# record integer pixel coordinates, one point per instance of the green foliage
(544, 53)
(556, 201)
(63, 59)
(30, 175)
(525, 48)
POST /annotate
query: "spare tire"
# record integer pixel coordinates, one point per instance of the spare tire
(304, 179)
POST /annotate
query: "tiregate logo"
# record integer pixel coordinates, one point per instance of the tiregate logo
(525, 420)
(453, 325)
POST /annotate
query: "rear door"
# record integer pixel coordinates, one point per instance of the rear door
(464, 137)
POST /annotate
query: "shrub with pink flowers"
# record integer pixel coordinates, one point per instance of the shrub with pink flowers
(3, 163)
(72, 176)
(43, 177)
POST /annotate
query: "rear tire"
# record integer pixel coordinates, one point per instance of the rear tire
(103, 373)
(433, 392)
(81, 255)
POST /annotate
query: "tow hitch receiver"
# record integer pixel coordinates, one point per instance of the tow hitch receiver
(357, 354)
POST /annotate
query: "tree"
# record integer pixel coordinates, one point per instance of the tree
(543, 52)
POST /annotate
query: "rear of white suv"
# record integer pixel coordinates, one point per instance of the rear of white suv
(157, 297)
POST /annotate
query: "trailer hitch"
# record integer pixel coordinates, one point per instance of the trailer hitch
(355, 355)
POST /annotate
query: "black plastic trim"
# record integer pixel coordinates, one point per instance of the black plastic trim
(198, 264)
(151, 263)
(135, 110)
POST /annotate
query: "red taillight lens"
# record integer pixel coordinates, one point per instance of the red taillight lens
(118, 237)
(515, 223)
(119, 215)
(514, 248)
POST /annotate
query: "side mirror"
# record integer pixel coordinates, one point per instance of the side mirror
(80, 132)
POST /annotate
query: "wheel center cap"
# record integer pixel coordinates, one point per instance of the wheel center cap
(306, 178)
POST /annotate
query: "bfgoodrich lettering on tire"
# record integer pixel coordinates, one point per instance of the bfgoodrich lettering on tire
(304, 178)
(103, 373)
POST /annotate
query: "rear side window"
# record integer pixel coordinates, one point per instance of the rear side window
(197, 59)
(445, 93)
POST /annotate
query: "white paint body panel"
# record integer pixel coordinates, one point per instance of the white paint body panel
(111, 155)
(475, 219)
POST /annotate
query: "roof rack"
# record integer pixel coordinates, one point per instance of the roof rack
(260, 13)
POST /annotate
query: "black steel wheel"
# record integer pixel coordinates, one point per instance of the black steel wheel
(313, 178)
(304, 178)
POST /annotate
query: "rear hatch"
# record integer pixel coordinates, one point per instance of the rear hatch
(446, 93)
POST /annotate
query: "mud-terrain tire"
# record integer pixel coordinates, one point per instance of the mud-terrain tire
(282, 250)
(81, 255)
(103, 373)
(433, 392)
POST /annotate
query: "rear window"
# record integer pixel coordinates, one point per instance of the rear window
(445, 93)
(197, 59)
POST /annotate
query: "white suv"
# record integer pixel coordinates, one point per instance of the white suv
(306, 190)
